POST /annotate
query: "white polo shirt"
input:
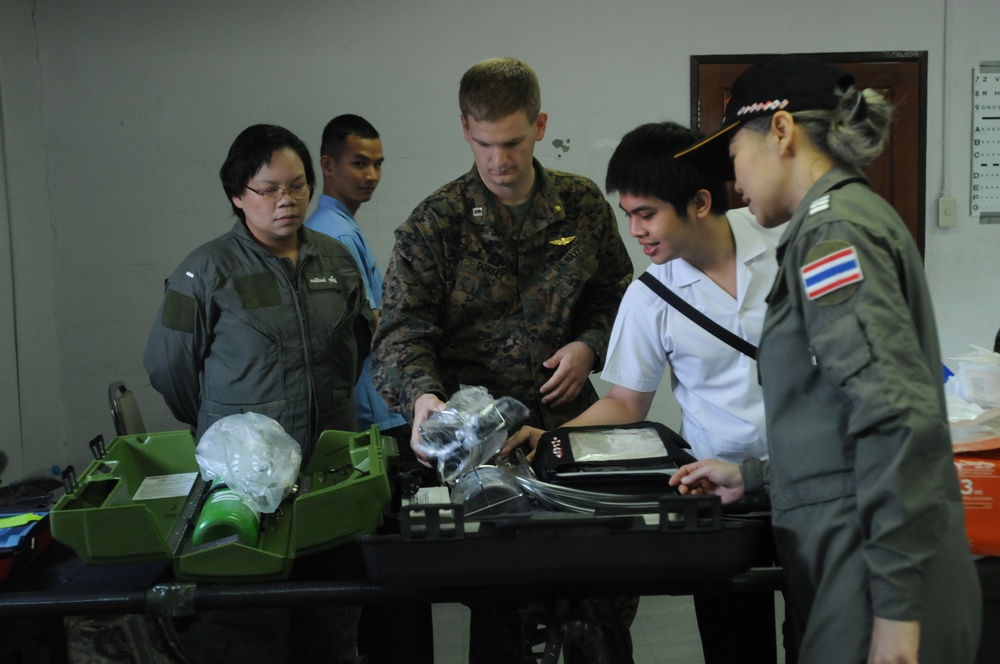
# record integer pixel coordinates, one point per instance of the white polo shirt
(716, 385)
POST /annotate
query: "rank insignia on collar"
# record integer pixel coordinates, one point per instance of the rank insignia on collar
(563, 241)
(833, 265)
(477, 212)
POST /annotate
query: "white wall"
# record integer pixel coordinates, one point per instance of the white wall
(32, 402)
(117, 114)
(9, 411)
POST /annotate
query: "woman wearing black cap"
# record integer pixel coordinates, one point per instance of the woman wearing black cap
(865, 500)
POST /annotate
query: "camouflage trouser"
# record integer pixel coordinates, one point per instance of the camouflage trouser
(496, 630)
(307, 634)
(129, 639)
(301, 634)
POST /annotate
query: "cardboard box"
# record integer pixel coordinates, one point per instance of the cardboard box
(977, 458)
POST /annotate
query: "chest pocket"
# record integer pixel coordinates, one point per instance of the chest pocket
(329, 296)
(249, 311)
(571, 272)
(482, 291)
(245, 347)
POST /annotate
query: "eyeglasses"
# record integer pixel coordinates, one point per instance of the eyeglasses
(297, 191)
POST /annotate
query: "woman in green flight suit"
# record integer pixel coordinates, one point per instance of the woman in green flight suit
(866, 508)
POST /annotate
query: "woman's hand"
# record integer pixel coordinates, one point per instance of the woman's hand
(894, 642)
(710, 476)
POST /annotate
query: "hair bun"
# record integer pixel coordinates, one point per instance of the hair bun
(860, 109)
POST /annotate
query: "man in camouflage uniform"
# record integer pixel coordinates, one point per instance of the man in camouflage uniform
(508, 278)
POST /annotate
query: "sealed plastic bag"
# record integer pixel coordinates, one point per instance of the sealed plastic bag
(469, 431)
(253, 455)
(488, 491)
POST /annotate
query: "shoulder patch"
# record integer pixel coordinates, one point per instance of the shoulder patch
(178, 312)
(821, 204)
(831, 266)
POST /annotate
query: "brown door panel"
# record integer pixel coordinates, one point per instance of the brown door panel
(898, 174)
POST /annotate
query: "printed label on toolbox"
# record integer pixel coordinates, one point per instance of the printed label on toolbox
(434, 495)
(165, 486)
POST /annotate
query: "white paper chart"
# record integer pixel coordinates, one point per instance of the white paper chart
(984, 199)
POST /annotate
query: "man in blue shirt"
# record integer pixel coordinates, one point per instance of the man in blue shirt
(351, 161)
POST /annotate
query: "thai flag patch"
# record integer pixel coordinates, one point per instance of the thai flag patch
(831, 272)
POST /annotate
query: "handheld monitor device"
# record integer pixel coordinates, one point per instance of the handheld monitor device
(626, 459)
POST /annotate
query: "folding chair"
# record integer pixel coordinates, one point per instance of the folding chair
(124, 410)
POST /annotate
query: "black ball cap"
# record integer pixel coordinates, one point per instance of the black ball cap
(788, 83)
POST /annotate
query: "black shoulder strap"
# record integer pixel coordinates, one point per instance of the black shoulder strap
(674, 300)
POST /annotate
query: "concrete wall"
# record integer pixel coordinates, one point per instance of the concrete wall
(117, 114)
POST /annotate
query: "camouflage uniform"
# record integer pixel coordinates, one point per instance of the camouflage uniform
(469, 298)
(473, 297)
(122, 639)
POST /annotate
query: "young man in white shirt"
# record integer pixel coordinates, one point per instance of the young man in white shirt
(723, 264)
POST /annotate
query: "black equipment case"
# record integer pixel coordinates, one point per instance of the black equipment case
(687, 538)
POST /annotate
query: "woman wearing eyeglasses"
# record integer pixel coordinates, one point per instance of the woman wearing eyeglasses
(269, 317)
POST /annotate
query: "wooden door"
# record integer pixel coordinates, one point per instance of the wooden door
(898, 174)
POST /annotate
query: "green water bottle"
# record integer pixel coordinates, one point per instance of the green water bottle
(225, 514)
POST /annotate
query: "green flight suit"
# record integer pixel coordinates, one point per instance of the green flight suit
(240, 330)
(867, 513)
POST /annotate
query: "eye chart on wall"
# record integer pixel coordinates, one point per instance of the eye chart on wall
(984, 199)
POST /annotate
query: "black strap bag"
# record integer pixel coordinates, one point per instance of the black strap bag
(701, 319)
(629, 459)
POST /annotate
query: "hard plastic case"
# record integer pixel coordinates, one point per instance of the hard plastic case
(683, 540)
(342, 490)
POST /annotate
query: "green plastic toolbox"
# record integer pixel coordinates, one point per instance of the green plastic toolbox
(141, 498)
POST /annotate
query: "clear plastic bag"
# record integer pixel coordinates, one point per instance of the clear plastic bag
(977, 379)
(571, 499)
(469, 431)
(253, 455)
(487, 491)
